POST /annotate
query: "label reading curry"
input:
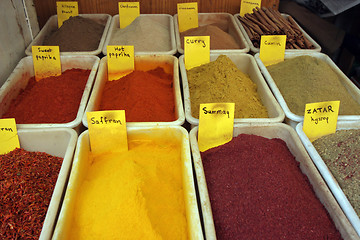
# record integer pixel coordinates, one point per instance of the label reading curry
(196, 51)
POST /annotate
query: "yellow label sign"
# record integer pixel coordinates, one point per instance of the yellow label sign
(107, 131)
(46, 61)
(187, 16)
(128, 11)
(120, 61)
(247, 6)
(216, 123)
(9, 139)
(320, 118)
(196, 51)
(65, 10)
(272, 49)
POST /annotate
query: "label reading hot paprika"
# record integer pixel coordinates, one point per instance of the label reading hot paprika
(128, 11)
(187, 16)
(247, 6)
(196, 51)
(320, 119)
(65, 10)
(9, 139)
(272, 49)
(107, 131)
(46, 61)
(216, 123)
(120, 61)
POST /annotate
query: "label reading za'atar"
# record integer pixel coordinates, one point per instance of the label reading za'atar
(46, 61)
(272, 49)
(9, 139)
(216, 121)
(65, 10)
(187, 16)
(196, 51)
(320, 118)
(247, 6)
(120, 61)
(128, 11)
(107, 131)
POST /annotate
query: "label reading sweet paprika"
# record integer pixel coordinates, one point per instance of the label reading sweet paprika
(9, 139)
(247, 6)
(107, 131)
(65, 10)
(320, 118)
(196, 51)
(216, 123)
(46, 61)
(272, 49)
(128, 11)
(120, 61)
(187, 16)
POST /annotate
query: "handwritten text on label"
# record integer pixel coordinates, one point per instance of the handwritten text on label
(105, 120)
(216, 112)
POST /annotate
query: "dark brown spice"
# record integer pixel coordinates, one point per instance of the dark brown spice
(27, 180)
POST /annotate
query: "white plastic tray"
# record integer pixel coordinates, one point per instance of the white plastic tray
(288, 134)
(326, 173)
(52, 25)
(208, 18)
(80, 166)
(25, 70)
(246, 63)
(256, 50)
(161, 18)
(293, 119)
(149, 62)
(58, 142)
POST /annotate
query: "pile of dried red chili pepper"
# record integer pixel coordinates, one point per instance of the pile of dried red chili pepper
(27, 180)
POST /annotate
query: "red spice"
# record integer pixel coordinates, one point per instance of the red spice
(27, 180)
(257, 191)
(145, 96)
(50, 100)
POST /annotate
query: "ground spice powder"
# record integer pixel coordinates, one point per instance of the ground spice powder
(27, 180)
(76, 34)
(50, 100)
(145, 96)
(222, 81)
(257, 191)
(307, 79)
(341, 153)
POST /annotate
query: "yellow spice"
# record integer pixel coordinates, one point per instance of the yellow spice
(133, 195)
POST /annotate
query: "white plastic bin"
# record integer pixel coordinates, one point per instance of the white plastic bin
(287, 134)
(245, 63)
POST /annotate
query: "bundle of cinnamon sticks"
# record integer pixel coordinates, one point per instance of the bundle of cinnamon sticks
(267, 21)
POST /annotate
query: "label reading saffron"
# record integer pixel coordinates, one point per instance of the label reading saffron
(272, 49)
(9, 139)
(196, 51)
(107, 131)
(46, 61)
(320, 119)
(216, 122)
(247, 6)
(120, 61)
(187, 16)
(65, 10)
(128, 11)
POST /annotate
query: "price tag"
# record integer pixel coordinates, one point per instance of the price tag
(187, 16)
(46, 61)
(320, 118)
(65, 10)
(272, 49)
(9, 139)
(216, 123)
(107, 131)
(120, 61)
(128, 11)
(247, 6)
(196, 51)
